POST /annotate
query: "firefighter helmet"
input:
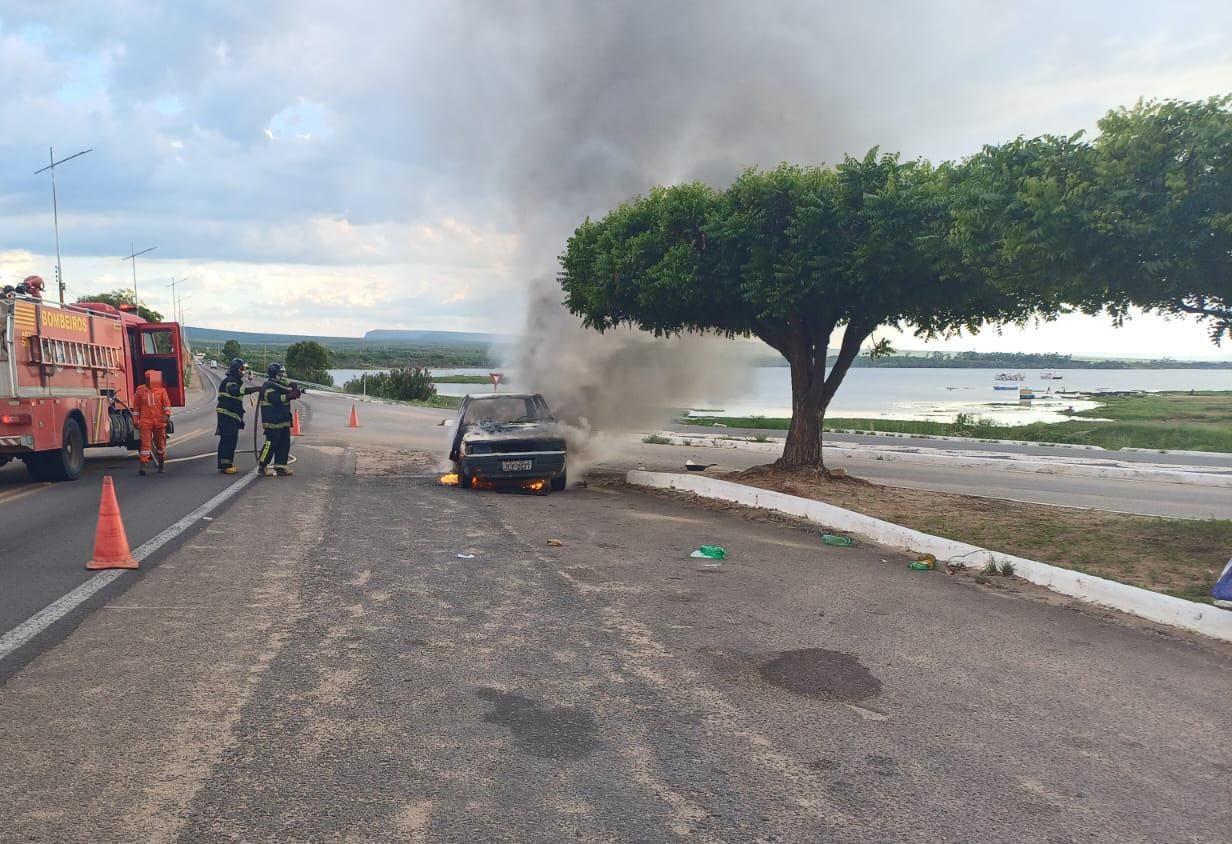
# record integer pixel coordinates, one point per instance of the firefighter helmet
(237, 366)
(274, 370)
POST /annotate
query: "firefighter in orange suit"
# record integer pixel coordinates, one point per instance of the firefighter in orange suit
(153, 407)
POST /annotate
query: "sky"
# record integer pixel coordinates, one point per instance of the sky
(322, 168)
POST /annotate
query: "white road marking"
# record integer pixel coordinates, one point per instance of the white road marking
(49, 615)
(194, 457)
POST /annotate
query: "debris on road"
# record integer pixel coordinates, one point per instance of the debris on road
(834, 539)
(466, 556)
(924, 562)
(698, 467)
(710, 552)
(555, 543)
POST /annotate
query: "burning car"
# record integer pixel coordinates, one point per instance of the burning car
(507, 437)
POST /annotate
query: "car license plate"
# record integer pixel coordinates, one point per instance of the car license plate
(516, 465)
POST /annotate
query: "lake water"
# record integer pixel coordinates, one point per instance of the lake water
(937, 394)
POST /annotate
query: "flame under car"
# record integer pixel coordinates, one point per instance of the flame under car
(508, 438)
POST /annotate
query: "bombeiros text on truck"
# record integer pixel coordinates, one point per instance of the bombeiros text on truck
(68, 375)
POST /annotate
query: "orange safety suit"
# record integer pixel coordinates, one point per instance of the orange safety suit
(153, 407)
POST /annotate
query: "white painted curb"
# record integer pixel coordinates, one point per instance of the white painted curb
(1163, 609)
(1217, 477)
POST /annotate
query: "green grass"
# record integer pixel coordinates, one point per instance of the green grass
(1180, 557)
(1169, 421)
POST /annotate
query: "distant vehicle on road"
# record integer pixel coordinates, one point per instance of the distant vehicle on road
(508, 437)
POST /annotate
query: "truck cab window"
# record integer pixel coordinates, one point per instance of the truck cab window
(156, 342)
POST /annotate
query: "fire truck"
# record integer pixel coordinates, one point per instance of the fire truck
(68, 375)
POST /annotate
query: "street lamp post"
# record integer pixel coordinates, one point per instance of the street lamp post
(132, 256)
(55, 208)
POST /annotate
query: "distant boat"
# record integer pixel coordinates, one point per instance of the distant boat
(1010, 376)
(1026, 394)
(1005, 386)
(1049, 375)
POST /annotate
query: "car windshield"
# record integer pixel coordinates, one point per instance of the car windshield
(505, 409)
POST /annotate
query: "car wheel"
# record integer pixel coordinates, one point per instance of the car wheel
(560, 482)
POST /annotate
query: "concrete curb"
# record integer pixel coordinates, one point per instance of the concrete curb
(1163, 609)
(1221, 477)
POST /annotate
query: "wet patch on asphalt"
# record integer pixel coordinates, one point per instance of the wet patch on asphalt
(561, 732)
(819, 673)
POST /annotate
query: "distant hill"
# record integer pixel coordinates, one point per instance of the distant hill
(380, 336)
(222, 335)
(444, 338)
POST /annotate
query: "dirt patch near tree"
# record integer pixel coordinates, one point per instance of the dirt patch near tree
(1178, 557)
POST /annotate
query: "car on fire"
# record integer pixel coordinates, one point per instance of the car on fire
(508, 437)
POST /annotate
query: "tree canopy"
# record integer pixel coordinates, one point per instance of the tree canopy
(308, 360)
(116, 298)
(1022, 230)
(792, 256)
(231, 350)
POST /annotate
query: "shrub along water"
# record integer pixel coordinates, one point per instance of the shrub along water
(407, 383)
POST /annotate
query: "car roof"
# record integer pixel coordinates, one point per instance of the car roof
(490, 396)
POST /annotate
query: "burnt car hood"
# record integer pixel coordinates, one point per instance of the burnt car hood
(511, 436)
(494, 431)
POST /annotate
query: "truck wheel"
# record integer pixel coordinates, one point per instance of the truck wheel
(560, 482)
(64, 464)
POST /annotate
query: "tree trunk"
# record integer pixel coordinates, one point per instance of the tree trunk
(805, 349)
(803, 447)
(812, 389)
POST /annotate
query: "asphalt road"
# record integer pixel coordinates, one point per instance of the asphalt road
(48, 529)
(390, 660)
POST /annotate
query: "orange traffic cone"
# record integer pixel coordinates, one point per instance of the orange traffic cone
(354, 420)
(110, 541)
(295, 431)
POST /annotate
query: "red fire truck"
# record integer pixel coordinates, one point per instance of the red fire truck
(67, 377)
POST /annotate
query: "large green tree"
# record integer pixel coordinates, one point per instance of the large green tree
(1140, 216)
(1164, 180)
(794, 256)
(308, 360)
(118, 298)
(231, 350)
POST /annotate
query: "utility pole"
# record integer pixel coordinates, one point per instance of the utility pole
(177, 316)
(132, 256)
(55, 208)
(174, 317)
(180, 318)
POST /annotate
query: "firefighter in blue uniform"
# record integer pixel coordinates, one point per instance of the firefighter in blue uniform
(230, 409)
(277, 393)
